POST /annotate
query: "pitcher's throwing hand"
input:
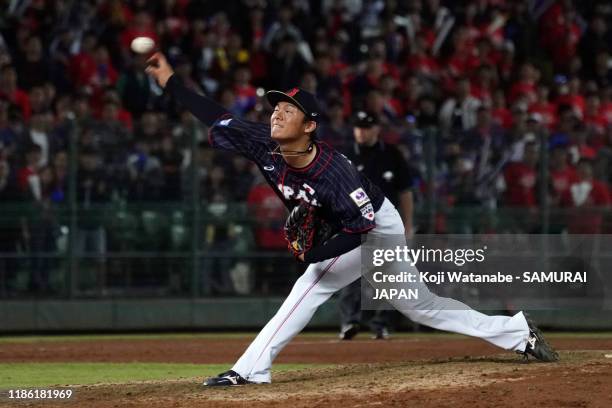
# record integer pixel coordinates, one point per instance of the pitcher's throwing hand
(159, 68)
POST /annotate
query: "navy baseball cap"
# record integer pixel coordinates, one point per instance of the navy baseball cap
(365, 120)
(304, 100)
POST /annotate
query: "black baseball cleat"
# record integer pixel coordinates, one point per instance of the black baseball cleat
(348, 331)
(227, 379)
(537, 346)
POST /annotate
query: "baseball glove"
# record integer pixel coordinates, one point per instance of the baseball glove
(305, 229)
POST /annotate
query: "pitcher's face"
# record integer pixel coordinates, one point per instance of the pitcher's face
(287, 122)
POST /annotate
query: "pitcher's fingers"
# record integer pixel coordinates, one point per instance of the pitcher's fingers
(154, 58)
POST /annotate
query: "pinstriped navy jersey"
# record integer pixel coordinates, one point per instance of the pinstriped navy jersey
(345, 197)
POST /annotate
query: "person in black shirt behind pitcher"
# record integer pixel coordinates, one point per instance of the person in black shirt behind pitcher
(385, 166)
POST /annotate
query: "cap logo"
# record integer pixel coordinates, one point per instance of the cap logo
(292, 92)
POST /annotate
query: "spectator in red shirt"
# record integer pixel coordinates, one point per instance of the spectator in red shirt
(559, 32)
(581, 147)
(83, 63)
(565, 36)
(253, 34)
(562, 175)
(525, 87)
(105, 74)
(420, 63)
(103, 77)
(587, 197)
(465, 57)
(594, 117)
(606, 103)
(379, 49)
(521, 177)
(587, 191)
(543, 107)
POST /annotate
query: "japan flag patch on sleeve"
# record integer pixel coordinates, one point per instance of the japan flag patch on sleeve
(367, 212)
(360, 197)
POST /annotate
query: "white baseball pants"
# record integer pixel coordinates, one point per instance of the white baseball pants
(323, 279)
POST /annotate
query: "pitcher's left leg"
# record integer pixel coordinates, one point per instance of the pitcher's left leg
(314, 287)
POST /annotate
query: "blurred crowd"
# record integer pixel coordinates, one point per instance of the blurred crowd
(489, 75)
(480, 95)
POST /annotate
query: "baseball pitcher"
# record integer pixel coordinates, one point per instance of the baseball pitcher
(325, 192)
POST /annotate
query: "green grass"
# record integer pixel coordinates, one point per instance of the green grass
(13, 375)
(250, 335)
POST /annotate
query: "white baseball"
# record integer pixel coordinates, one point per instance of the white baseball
(142, 45)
